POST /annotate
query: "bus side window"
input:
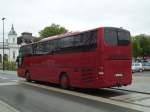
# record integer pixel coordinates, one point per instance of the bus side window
(54, 46)
(77, 40)
(46, 47)
(34, 49)
(51, 47)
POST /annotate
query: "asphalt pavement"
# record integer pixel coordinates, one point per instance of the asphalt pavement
(140, 83)
(26, 98)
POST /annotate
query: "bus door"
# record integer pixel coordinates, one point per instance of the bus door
(19, 64)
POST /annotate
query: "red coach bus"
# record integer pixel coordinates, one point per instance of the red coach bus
(95, 58)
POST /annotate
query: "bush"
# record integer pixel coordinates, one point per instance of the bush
(9, 65)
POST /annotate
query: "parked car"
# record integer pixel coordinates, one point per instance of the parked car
(137, 67)
(146, 65)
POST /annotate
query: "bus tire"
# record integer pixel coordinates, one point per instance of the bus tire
(64, 81)
(28, 76)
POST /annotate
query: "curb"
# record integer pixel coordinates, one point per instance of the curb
(92, 98)
(132, 91)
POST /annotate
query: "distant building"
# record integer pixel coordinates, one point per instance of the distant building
(13, 43)
(10, 46)
(25, 38)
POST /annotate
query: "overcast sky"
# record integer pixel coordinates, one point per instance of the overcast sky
(75, 15)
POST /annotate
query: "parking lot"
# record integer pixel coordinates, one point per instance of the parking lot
(142, 74)
(140, 83)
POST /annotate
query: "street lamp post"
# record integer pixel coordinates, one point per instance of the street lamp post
(3, 43)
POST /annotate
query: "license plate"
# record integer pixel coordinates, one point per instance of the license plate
(118, 75)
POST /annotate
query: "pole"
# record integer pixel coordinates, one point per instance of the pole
(3, 43)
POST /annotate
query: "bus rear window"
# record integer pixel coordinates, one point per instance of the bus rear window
(123, 38)
(111, 37)
(116, 37)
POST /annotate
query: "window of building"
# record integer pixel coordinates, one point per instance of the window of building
(5, 57)
(0, 58)
(14, 54)
(13, 40)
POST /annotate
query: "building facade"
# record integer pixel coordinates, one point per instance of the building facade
(11, 47)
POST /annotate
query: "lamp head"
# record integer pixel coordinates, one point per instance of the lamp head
(3, 18)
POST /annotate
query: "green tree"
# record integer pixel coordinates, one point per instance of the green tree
(136, 48)
(141, 45)
(52, 30)
(145, 45)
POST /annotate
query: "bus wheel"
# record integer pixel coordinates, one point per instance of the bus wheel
(28, 77)
(64, 82)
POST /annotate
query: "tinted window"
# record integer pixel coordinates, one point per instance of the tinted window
(147, 64)
(111, 37)
(26, 50)
(137, 64)
(86, 39)
(42, 48)
(46, 47)
(66, 42)
(39, 48)
(89, 38)
(77, 43)
(77, 40)
(116, 37)
(123, 38)
(54, 45)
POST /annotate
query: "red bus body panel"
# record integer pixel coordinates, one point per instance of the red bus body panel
(96, 69)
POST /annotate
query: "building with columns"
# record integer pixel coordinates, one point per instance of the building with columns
(11, 47)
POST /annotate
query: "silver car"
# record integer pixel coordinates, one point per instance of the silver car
(146, 66)
(137, 67)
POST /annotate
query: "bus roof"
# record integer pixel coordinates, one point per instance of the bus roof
(59, 36)
(69, 34)
(65, 35)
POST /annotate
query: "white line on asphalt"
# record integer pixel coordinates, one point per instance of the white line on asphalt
(15, 80)
(136, 98)
(3, 77)
(4, 107)
(8, 83)
(90, 97)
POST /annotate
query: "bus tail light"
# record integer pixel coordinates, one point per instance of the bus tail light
(101, 73)
(101, 70)
(119, 75)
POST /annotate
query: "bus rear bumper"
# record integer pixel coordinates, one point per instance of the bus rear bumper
(101, 83)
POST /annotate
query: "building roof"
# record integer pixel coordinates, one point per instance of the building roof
(26, 37)
(12, 31)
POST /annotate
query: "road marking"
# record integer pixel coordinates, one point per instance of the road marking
(134, 98)
(15, 80)
(4, 107)
(3, 77)
(90, 97)
(8, 83)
